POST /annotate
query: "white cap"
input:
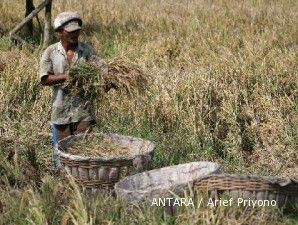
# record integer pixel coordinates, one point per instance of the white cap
(61, 21)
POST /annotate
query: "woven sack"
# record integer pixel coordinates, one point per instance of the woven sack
(160, 182)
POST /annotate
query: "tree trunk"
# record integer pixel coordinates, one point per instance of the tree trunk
(47, 25)
(29, 26)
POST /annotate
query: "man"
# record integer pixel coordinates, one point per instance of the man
(70, 114)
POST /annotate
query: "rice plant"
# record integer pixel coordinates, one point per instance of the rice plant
(204, 80)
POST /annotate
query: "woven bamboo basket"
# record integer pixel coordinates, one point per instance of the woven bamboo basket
(280, 190)
(94, 173)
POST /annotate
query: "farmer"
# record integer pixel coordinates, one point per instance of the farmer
(70, 114)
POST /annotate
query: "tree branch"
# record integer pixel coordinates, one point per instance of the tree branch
(29, 17)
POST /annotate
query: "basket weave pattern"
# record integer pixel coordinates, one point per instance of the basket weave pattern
(94, 173)
(91, 174)
(248, 187)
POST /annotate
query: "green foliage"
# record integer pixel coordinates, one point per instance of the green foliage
(85, 81)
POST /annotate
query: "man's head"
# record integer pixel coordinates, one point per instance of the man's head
(68, 26)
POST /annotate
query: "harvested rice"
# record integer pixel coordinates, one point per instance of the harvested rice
(86, 80)
(83, 80)
(127, 76)
(98, 147)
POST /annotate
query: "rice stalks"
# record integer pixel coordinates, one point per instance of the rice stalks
(88, 81)
(83, 80)
(127, 77)
(98, 147)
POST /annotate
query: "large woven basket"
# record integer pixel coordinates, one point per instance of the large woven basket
(94, 173)
(159, 183)
(280, 190)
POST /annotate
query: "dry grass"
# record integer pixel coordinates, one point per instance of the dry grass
(222, 87)
(127, 77)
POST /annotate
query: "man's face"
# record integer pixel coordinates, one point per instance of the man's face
(70, 37)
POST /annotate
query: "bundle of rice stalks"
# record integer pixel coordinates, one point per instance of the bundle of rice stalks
(84, 80)
(126, 76)
(87, 80)
(98, 147)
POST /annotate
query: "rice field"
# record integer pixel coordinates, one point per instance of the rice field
(221, 85)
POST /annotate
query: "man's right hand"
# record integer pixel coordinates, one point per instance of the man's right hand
(53, 79)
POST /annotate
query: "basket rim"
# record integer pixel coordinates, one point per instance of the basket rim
(163, 169)
(72, 157)
(273, 180)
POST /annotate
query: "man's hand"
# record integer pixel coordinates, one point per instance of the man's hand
(52, 79)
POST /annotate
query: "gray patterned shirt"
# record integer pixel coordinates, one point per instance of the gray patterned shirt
(67, 108)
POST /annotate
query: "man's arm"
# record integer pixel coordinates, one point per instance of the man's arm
(46, 73)
(52, 79)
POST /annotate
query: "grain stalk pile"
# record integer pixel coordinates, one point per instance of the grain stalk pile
(98, 147)
(88, 81)
(84, 78)
(127, 76)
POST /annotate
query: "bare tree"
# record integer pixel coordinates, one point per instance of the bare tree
(28, 19)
